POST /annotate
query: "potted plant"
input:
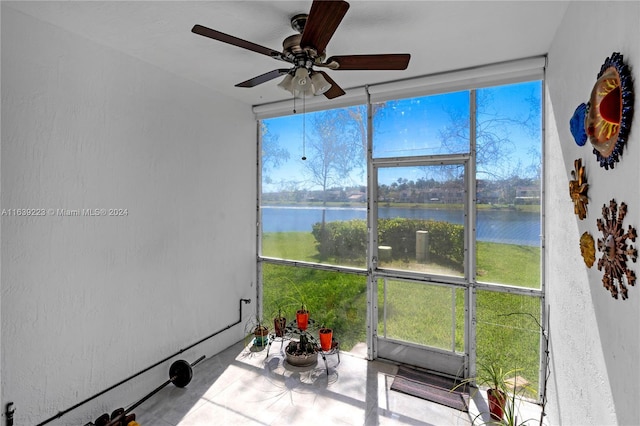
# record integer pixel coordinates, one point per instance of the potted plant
(260, 331)
(302, 317)
(325, 332)
(326, 338)
(279, 323)
(492, 375)
(302, 352)
(262, 335)
(511, 411)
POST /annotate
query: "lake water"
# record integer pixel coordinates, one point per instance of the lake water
(501, 226)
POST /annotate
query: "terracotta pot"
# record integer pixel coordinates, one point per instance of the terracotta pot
(326, 338)
(302, 318)
(496, 403)
(279, 324)
(262, 335)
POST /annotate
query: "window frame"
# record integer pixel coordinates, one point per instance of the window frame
(469, 280)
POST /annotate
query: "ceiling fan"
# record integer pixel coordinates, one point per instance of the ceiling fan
(306, 50)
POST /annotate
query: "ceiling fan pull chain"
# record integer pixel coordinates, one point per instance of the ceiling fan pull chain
(304, 130)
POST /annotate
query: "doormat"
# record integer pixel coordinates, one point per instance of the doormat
(431, 387)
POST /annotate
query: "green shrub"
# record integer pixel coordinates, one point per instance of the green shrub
(348, 239)
(342, 239)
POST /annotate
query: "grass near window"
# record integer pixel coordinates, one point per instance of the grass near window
(508, 264)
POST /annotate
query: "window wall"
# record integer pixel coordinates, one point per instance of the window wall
(439, 206)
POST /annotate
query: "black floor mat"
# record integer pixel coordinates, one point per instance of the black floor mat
(431, 387)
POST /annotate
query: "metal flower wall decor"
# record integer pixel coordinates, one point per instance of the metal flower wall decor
(610, 111)
(615, 251)
(606, 119)
(578, 187)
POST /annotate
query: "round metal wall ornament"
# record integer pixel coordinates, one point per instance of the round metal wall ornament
(615, 251)
(588, 249)
(610, 111)
(578, 189)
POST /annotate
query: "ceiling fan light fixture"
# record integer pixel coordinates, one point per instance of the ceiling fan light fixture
(302, 77)
(287, 83)
(320, 84)
(308, 49)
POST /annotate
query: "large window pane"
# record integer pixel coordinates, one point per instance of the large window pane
(413, 127)
(421, 219)
(334, 299)
(509, 141)
(314, 187)
(507, 333)
(422, 314)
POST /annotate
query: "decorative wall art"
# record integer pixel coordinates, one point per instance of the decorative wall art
(615, 251)
(576, 124)
(588, 249)
(610, 111)
(578, 189)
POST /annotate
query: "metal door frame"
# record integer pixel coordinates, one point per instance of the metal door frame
(448, 362)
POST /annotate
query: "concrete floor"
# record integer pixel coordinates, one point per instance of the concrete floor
(241, 387)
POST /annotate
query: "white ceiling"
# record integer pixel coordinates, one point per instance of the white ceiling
(439, 35)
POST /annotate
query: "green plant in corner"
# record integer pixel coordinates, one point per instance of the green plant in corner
(545, 335)
(494, 377)
(514, 396)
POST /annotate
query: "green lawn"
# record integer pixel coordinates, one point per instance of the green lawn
(505, 331)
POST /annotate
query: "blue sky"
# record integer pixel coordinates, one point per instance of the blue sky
(413, 127)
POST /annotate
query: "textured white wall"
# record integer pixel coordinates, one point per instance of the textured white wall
(88, 301)
(595, 339)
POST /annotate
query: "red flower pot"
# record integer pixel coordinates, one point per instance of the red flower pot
(496, 403)
(326, 338)
(302, 318)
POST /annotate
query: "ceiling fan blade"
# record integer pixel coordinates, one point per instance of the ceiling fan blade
(396, 61)
(235, 41)
(335, 90)
(324, 18)
(252, 82)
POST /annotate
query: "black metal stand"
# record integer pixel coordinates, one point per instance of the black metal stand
(335, 350)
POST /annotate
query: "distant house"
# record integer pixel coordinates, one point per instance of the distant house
(527, 195)
(359, 197)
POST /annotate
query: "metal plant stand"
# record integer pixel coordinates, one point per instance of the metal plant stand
(293, 334)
